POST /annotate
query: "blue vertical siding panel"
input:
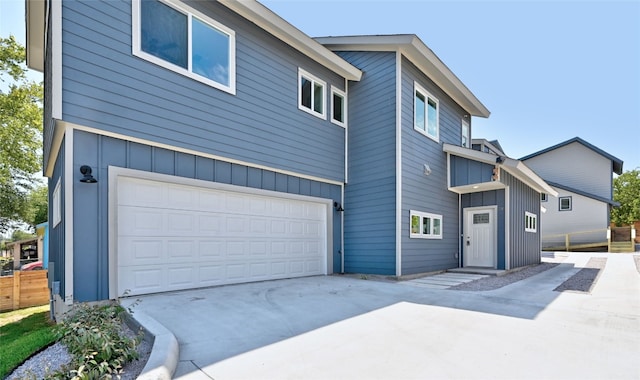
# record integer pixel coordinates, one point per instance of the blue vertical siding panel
(293, 185)
(281, 182)
(185, 165)
(489, 198)
(204, 169)
(525, 247)
(164, 161)
(223, 172)
(305, 186)
(113, 150)
(314, 189)
(140, 156)
(369, 233)
(254, 177)
(428, 193)
(268, 180)
(106, 87)
(238, 175)
(466, 172)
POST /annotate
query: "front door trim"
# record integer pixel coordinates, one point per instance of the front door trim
(467, 211)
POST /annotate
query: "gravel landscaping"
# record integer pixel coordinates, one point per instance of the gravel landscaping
(586, 278)
(496, 282)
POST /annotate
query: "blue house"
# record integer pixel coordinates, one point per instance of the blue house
(208, 143)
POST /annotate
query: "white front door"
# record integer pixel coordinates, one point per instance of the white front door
(480, 237)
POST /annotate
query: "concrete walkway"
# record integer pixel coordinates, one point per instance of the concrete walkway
(346, 328)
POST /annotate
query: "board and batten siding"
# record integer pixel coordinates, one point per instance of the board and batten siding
(575, 166)
(428, 193)
(107, 88)
(488, 198)
(91, 208)
(466, 172)
(370, 191)
(56, 232)
(524, 247)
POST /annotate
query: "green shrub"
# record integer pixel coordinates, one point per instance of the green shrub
(93, 336)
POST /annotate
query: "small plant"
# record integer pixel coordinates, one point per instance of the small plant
(92, 334)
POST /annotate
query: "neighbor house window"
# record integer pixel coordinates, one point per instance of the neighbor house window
(425, 225)
(543, 197)
(56, 212)
(530, 222)
(425, 118)
(565, 203)
(185, 41)
(311, 94)
(338, 107)
(466, 141)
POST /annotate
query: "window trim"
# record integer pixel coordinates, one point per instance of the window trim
(427, 95)
(544, 197)
(137, 51)
(466, 124)
(56, 203)
(337, 91)
(560, 203)
(421, 234)
(530, 222)
(313, 79)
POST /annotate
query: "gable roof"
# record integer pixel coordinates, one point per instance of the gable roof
(584, 194)
(420, 55)
(249, 9)
(617, 163)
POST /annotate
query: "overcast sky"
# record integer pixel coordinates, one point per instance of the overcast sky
(548, 71)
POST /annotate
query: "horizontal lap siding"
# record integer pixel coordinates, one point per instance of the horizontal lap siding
(524, 247)
(369, 214)
(428, 193)
(106, 87)
(91, 208)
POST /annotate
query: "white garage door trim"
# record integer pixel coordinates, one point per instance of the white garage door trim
(117, 174)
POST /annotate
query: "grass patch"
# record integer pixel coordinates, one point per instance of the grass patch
(16, 315)
(23, 338)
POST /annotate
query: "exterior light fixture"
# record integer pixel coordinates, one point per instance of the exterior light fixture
(86, 172)
(338, 206)
(427, 169)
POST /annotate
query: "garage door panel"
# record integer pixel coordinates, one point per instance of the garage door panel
(216, 237)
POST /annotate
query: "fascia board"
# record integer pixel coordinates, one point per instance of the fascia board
(34, 18)
(519, 170)
(274, 24)
(420, 55)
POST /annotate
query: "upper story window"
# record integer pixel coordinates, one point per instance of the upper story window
(425, 225)
(466, 141)
(338, 107)
(426, 110)
(311, 94)
(544, 197)
(185, 41)
(564, 203)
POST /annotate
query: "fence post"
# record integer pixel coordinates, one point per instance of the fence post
(566, 242)
(16, 290)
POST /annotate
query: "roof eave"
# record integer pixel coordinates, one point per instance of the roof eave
(35, 21)
(274, 24)
(420, 55)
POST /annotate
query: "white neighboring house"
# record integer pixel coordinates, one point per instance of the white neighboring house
(582, 174)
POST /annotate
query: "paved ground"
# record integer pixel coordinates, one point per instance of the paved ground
(337, 327)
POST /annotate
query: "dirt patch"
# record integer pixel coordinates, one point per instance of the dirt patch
(492, 283)
(586, 278)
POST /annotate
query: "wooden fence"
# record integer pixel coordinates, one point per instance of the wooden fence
(24, 289)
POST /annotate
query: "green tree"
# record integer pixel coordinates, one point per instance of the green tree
(21, 235)
(37, 206)
(20, 133)
(626, 191)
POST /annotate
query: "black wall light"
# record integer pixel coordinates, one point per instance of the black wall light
(338, 206)
(86, 172)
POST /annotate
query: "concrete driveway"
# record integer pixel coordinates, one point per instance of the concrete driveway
(338, 327)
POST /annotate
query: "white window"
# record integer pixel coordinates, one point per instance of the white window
(466, 141)
(530, 222)
(564, 203)
(543, 197)
(338, 107)
(311, 94)
(186, 41)
(425, 117)
(56, 205)
(425, 225)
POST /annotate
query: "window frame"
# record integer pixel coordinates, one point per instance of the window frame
(137, 51)
(465, 125)
(417, 88)
(343, 95)
(422, 215)
(56, 203)
(530, 222)
(544, 197)
(560, 199)
(314, 79)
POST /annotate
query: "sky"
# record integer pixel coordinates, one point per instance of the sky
(548, 71)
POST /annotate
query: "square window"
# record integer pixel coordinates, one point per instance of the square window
(426, 113)
(180, 39)
(565, 203)
(425, 225)
(311, 94)
(338, 106)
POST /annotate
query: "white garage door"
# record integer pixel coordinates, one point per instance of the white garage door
(173, 236)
